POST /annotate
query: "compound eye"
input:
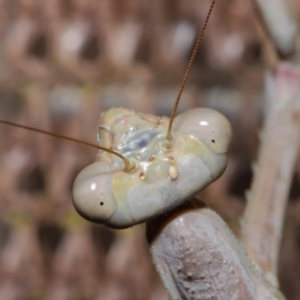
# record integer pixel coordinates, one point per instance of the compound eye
(208, 125)
(92, 196)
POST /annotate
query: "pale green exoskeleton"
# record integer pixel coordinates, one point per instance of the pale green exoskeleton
(163, 178)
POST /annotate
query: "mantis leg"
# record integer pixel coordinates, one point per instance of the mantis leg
(197, 257)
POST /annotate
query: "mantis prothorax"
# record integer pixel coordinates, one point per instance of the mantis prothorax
(148, 165)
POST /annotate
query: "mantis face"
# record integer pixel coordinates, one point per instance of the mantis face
(162, 178)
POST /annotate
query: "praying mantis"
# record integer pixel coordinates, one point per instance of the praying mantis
(163, 163)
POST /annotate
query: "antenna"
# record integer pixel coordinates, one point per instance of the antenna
(187, 72)
(128, 165)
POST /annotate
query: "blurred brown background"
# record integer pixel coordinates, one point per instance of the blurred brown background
(62, 62)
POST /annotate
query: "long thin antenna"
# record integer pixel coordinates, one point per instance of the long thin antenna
(187, 72)
(128, 166)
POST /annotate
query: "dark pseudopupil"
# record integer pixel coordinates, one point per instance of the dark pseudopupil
(213, 141)
(101, 203)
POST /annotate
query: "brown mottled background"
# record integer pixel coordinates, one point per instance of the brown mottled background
(62, 62)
